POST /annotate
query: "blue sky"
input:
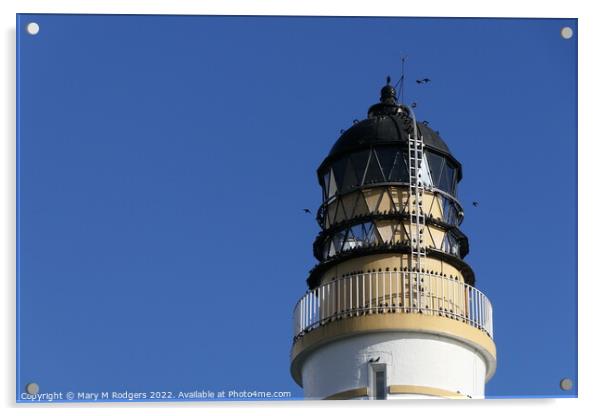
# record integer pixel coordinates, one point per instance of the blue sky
(164, 162)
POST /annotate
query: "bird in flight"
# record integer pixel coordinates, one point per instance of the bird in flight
(414, 105)
(475, 203)
(423, 81)
(307, 211)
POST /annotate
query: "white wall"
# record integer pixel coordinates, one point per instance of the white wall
(412, 359)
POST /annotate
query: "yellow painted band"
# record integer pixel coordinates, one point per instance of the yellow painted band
(398, 389)
(349, 394)
(429, 391)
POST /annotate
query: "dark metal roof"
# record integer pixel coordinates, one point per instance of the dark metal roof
(384, 130)
(385, 126)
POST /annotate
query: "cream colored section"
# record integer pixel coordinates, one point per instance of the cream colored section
(372, 197)
(394, 292)
(382, 199)
(390, 261)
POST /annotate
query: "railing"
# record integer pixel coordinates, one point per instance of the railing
(392, 292)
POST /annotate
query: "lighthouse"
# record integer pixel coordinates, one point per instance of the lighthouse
(391, 310)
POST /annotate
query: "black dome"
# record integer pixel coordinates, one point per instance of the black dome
(386, 129)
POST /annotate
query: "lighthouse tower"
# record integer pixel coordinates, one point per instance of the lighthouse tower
(391, 309)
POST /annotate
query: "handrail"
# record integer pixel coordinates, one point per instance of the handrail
(392, 292)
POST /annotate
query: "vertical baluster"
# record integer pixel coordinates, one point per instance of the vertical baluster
(443, 295)
(311, 305)
(450, 305)
(439, 291)
(456, 298)
(477, 309)
(302, 314)
(357, 294)
(328, 302)
(363, 305)
(320, 305)
(447, 291)
(419, 281)
(314, 307)
(468, 303)
(490, 320)
(326, 290)
(377, 298)
(481, 312)
(431, 301)
(350, 295)
(403, 289)
(345, 307)
(305, 312)
(324, 303)
(397, 292)
(472, 308)
(448, 286)
(370, 293)
(485, 314)
(338, 295)
(410, 284)
(331, 299)
(308, 306)
(390, 293)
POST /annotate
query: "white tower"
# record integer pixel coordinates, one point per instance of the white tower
(391, 310)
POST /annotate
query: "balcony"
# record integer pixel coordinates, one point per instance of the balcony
(392, 292)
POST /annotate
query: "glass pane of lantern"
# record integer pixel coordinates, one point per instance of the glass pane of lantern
(374, 172)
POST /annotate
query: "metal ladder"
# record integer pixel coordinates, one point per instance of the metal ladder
(417, 217)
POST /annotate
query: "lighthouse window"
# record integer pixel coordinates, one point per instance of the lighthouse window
(399, 170)
(441, 171)
(386, 164)
(451, 174)
(374, 173)
(332, 185)
(326, 185)
(359, 160)
(444, 180)
(369, 235)
(435, 164)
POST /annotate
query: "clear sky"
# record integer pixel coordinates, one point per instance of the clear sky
(164, 163)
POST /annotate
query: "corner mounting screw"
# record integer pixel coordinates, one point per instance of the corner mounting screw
(566, 384)
(32, 388)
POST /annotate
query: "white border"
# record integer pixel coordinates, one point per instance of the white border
(589, 34)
